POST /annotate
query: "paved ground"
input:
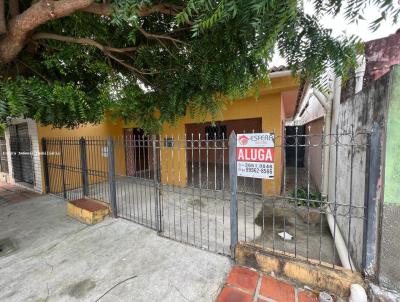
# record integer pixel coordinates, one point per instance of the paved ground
(246, 285)
(202, 217)
(11, 193)
(60, 259)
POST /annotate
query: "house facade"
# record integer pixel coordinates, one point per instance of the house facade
(266, 113)
(370, 97)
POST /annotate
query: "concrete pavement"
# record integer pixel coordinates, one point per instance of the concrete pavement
(60, 259)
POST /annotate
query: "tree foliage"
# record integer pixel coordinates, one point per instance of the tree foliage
(151, 61)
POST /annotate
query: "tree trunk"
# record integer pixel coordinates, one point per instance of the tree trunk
(3, 27)
(21, 26)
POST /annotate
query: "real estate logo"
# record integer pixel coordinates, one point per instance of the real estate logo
(243, 140)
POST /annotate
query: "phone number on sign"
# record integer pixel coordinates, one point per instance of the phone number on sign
(258, 168)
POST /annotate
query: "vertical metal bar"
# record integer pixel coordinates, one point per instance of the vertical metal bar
(352, 142)
(133, 146)
(373, 192)
(223, 192)
(193, 182)
(335, 194)
(283, 144)
(63, 170)
(187, 182)
(308, 188)
(167, 191)
(200, 193)
(84, 171)
(296, 189)
(215, 190)
(111, 176)
(178, 146)
(144, 153)
(233, 188)
(173, 179)
(45, 166)
(155, 185)
(160, 195)
(139, 144)
(321, 201)
(208, 202)
(149, 178)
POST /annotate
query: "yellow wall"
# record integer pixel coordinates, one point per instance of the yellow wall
(268, 107)
(96, 136)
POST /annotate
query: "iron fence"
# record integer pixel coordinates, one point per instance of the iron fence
(187, 189)
(303, 218)
(3, 156)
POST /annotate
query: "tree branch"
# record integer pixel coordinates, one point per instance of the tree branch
(105, 9)
(82, 41)
(39, 13)
(128, 66)
(159, 37)
(105, 49)
(42, 11)
(34, 71)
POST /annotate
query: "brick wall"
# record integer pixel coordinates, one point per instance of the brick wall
(380, 55)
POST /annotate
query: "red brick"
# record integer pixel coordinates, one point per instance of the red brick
(277, 290)
(243, 278)
(307, 296)
(232, 294)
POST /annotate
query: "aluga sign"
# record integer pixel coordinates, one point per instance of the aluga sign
(255, 155)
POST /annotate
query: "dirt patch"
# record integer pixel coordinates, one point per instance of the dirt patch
(80, 289)
(7, 246)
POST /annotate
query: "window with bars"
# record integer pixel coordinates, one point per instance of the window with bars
(216, 132)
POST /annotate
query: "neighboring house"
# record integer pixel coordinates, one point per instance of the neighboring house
(268, 113)
(370, 96)
(22, 153)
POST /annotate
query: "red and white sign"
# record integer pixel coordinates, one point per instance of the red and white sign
(255, 155)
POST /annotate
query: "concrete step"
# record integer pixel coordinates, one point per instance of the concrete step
(87, 210)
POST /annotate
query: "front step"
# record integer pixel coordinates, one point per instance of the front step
(319, 276)
(87, 210)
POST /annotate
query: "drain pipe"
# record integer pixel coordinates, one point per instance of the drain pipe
(327, 103)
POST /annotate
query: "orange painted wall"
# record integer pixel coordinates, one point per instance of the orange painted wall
(96, 136)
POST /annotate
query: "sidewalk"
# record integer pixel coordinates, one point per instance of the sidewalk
(59, 259)
(247, 285)
(12, 193)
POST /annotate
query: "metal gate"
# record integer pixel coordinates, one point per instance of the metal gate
(186, 188)
(3, 156)
(21, 153)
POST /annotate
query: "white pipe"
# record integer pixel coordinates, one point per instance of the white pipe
(357, 293)
(327, 103)
(340, 244)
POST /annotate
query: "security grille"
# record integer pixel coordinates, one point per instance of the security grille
(3, 156)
